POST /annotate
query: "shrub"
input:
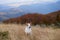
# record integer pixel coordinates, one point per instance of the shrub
(4, 35)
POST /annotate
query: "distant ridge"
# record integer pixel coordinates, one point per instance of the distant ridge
(36, 18)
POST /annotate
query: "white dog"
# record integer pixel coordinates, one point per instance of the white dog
(28, 29)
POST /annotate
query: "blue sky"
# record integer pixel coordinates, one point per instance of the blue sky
(17, 3)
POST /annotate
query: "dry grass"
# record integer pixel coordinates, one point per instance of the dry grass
(16, 32)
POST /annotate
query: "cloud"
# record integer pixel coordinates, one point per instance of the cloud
(21, 3)
(12, 1)
(46, 1)
(2, 13)
(17, 3)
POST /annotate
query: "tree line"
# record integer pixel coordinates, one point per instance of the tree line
(36, 18)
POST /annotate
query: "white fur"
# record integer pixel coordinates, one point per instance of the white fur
(28, 29)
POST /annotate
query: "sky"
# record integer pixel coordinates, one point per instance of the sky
(17, 3)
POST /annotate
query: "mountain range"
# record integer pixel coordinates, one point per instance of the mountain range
(7, 12)
(51, 18)
(41, 8)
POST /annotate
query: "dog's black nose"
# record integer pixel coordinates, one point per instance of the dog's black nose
(29, 27)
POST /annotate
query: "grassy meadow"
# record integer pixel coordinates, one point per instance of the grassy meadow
(16, 32)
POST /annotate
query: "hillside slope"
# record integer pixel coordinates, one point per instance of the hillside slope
(36, 18)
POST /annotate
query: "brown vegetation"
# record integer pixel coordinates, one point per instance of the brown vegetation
(35, 18)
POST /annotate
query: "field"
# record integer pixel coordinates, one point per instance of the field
(16, 32)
